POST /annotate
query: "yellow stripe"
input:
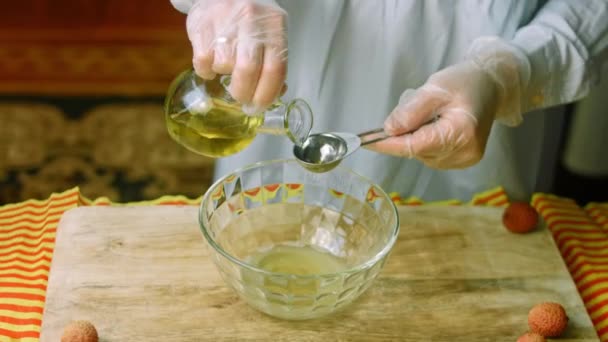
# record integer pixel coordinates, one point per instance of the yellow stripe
(23, 281)
(593, 289)
(41, 232)
(448, 202)
(53, 196)
(587, 228)
(23, 302)
(39, 218)
(57, 205)
(19, 328)
(26, 264)
(487, 193)
(26, 274)
(563, 232)
(23, 240)
(25, 257)
(29, 249)
(43, 224)
(596, 300)
(578, 213)
(24, 290)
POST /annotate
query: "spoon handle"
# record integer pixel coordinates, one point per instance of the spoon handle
(372, 136)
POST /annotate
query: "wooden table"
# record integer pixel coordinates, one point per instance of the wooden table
(455, 274)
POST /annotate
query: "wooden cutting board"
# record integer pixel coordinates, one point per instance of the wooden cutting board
(455, 274)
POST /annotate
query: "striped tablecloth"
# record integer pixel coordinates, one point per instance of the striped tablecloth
(27, 236)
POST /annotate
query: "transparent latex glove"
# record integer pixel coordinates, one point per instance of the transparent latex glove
(446, 122)
(245, 38)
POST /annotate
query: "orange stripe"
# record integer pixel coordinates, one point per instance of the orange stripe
(23, 252)
(583, 255)
(22, 285)
(25, 269)
(566, 213)
(29, 237)
(587, 273)
(570, 221)
(603, 331)
(21, 308)
(29, 245)
(557, 233)
(19, 334)
(597, 320)
(27, 296)
(42, 258)
(16, 275)
(20, 321)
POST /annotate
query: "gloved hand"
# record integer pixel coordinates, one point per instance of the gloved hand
(245, 38)
(446, 122)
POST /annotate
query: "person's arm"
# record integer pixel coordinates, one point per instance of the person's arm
(550, 61)
(566, 45)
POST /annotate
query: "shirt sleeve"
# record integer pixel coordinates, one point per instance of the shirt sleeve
(566, 44)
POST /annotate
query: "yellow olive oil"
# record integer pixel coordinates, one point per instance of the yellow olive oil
(297, 260)
(219, 131)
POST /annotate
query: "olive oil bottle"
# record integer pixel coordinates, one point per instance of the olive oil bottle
(203, 117)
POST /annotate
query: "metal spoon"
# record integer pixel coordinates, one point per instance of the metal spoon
(322, 152)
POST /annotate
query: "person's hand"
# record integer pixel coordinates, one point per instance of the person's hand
(446, 122)
(245, 38)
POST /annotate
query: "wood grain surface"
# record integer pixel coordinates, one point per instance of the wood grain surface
(455, 274)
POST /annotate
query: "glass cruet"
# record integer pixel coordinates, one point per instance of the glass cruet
(202, 116)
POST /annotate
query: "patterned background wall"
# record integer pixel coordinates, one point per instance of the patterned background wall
(81, 91)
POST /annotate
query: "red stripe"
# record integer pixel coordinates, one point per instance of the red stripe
(583, 255)
(501, 203)
(19, 334)
(574, 268)
(589, 284)
(22, 285)
(29, 245)
(597, 320)
(22, 252)
(597, 306)
(603, 331)
(572, 222)
(27, 296)
(594, 295)
(33, 229)
(587, 273)
(578, 213)
(570, 248)
(20, 308)
(561, 240)
(25, 269)
(173, 203)
(15, 275)
(46, 203)
(558, 232)
(20, 321)
(27, 236)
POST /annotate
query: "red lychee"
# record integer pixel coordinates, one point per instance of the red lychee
(531, 337)
(548, 319)
(79, 331)
(520, 217)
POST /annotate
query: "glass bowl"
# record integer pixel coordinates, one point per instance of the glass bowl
(295, 244)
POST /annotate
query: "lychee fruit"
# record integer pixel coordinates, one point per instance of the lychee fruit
(548, 319)
(79, 331)
(531, 337)
(520, 217)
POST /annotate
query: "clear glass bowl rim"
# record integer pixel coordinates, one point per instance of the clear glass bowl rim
(203, 223)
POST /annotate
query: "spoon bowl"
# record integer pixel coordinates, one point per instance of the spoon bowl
(322, 152)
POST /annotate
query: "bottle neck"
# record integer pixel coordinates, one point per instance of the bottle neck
(293, 119)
